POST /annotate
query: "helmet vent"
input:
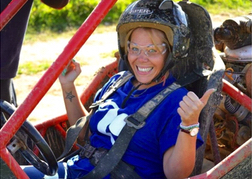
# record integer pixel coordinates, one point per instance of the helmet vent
(166, 5)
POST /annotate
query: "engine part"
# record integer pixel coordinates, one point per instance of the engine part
(235, 32)
(243, 135)
(243, 53)
(248, 79)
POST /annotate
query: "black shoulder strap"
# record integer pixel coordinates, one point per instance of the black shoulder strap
(117, 84)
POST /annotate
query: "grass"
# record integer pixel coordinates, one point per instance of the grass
(233, 7)
(33, 67)
(231, 12)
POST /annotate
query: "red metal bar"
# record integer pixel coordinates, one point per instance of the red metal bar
(237, 95)
(60, 130)
(12, 163)
(10, 11)
(228, 163)
(51, 122)
(47, 80)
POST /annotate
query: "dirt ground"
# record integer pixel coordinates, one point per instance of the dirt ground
(52, 104)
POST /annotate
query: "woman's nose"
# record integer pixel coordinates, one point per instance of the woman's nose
(142, 56)
(143, 52)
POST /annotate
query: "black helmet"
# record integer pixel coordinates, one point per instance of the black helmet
(164, 15)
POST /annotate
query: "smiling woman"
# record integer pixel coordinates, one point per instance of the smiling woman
(167, 119)
(159, 144)
(147, 64)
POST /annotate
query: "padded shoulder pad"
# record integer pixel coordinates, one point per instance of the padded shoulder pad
(200, 52)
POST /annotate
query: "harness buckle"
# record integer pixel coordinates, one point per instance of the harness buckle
(132, 122)
(98, 155)
(87, 151)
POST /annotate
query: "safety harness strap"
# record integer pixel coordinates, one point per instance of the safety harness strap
(74, 131)
(117, 84)
(133, 123)
(111, 162)
(124, 170)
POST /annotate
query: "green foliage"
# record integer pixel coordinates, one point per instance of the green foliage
(76, 11)
(218, 6)
(71, 16)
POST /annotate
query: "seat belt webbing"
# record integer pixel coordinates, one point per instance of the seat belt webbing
(133, 122)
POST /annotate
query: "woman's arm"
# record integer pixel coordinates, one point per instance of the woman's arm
(73, 105)
(179, 160)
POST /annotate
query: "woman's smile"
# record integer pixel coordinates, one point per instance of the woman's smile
(144, 69)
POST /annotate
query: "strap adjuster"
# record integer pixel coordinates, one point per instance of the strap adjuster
(87, 151)
(132, 122)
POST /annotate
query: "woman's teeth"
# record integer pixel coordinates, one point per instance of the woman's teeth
(144, 69)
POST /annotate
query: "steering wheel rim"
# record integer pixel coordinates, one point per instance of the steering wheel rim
(49, 166)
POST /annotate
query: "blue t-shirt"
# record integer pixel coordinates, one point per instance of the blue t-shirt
(148, 145)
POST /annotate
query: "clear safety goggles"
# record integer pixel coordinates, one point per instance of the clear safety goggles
(149, 50)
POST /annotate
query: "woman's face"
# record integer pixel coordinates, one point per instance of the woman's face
(145, 58)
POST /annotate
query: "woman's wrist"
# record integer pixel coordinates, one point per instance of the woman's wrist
(67, 86)
(188, 127)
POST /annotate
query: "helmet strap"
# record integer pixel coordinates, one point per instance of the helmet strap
(125, 59)
(128, 96)
(169, 63)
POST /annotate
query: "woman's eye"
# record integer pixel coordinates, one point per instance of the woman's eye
(152, 50)
(135, 49)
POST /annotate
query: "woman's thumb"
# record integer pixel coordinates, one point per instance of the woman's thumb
(206, 95)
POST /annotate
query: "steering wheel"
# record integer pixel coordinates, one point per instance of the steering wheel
(19, 143)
